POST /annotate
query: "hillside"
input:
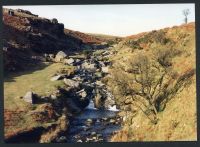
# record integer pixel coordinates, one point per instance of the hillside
(27, 37)
(175, 116)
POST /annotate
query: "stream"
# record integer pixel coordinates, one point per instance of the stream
(94, 125)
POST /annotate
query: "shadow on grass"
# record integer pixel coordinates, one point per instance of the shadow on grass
(10, 76)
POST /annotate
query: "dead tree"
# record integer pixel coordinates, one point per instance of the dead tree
(186, 12)
(10, 12)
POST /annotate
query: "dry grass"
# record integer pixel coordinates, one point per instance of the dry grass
(178, 121)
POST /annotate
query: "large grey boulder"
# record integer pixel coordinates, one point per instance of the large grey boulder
(71, 83)
(60, 56)
(30, 97)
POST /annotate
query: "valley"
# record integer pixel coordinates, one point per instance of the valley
(64, 86)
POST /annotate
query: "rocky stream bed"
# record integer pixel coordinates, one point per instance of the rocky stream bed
(99, 120)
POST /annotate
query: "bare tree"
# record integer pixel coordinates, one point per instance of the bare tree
(150, 83)
(146, 80)
(186, 12)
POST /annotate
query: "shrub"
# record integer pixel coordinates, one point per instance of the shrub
(87, 53)
(164, 56)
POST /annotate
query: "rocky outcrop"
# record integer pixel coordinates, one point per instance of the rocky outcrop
(26, 35)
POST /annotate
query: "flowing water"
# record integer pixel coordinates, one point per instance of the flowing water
(94, 125)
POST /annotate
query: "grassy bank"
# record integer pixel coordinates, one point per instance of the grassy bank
(18, 113)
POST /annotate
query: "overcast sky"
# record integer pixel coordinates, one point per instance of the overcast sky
(119, 20)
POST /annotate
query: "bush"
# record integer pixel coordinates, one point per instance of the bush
(87, 52)
(164, 56)
(155, 36)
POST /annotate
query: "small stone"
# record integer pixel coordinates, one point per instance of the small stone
(89, 120)
(117, 123)
(62, 139)
(82, 93)
(93, 133)
(53, 96)
(104, 119)
(94, 138)
(98, 121)
(112, 121)
(100, 139)
(79, 140)
(99, 135)
(104, 69)
(99, 83)
(55, 78)
(86, 128)
(69, 61)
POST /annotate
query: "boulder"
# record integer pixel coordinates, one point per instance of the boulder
(98, 74)
(71, 83)
(60, 56)
(69, 61)
(82, 93)
(89, 66)
(93, 133)
(105, 119)
(102, 64)
(104, 69)
(54, 21)
(78, 60)
(72, 106)
(99, 83)
(77, 78)
(30, 97)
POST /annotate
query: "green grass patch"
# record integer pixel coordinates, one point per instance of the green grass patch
(38, 81)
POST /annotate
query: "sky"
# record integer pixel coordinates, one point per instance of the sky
(119, 20)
